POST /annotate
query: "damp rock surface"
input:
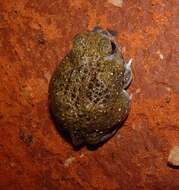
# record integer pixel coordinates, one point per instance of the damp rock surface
(34, 37)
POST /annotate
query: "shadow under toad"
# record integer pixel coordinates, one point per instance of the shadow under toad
(172, 166)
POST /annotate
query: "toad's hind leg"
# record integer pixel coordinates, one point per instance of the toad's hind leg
(127, 74)
(120, 112)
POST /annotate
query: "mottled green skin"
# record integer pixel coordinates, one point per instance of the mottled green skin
(86, 92)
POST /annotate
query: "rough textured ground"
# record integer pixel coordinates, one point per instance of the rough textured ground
(34, 36)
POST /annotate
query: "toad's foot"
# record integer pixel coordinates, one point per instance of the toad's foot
(127, 74)
(102, 138)
(123, 104)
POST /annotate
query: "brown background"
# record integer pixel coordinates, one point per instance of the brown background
(34, 36)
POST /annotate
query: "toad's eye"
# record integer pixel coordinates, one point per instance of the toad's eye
(107, 47)
(113, 45)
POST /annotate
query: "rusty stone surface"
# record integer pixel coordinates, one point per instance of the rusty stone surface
(34, 36)
(173, 158)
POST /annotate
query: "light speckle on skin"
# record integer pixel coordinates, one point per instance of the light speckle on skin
(173, 158)
(69, 161)
(160, 55)
(117, 3)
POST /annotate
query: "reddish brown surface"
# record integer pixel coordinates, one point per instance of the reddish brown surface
(34, 36)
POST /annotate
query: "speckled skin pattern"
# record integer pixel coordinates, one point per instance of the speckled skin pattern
(34, 37)
(86, 93)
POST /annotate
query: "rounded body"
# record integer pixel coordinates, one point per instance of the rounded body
(86, 91)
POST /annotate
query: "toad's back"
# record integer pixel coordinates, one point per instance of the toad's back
(84, 92)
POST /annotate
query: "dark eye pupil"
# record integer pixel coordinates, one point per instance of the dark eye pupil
(113, 45)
